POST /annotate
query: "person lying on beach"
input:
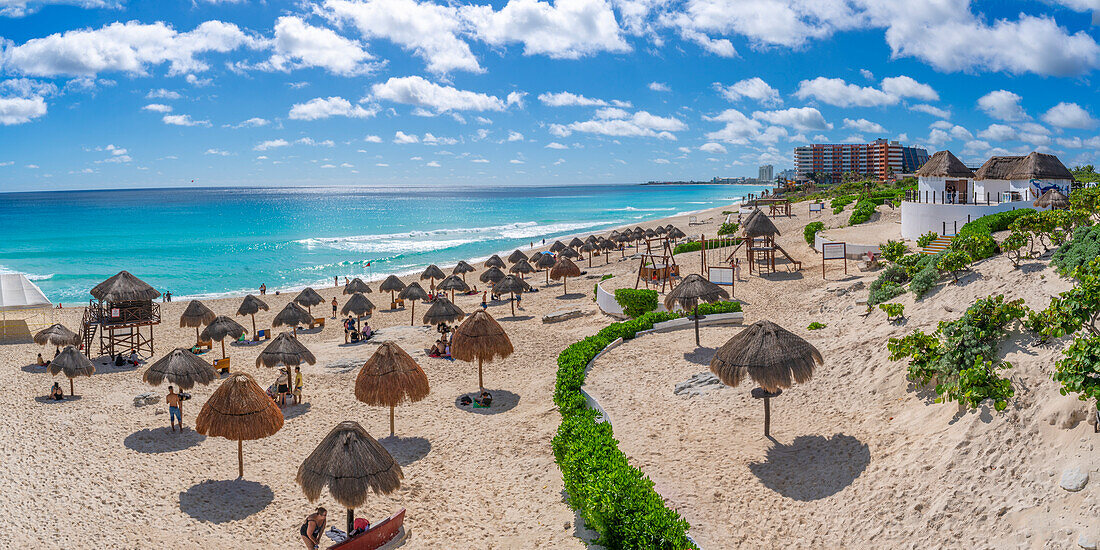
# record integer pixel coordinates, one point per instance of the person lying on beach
(312, 528)
(56, 393)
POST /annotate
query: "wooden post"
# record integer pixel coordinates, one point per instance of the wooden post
(697, 324)
(767, 417)
(480, 380)
(253, 326)
(702, 252)
(351, 520)
(391, 421)
(71, 394)
(513, 304)
(240, 458)
(412, 306)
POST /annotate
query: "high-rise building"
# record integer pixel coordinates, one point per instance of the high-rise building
(879, 158)
(767, 173)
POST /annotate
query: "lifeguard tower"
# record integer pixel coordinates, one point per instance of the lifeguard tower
(122, 305)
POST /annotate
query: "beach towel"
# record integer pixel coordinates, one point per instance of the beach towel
(336, 535)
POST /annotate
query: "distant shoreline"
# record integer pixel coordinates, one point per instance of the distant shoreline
(697, 183)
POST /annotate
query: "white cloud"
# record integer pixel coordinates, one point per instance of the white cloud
(429, 30)
(1069, 115)
(20, 8)
(319, 108)
(516, 161)
(904, 86)
(566, 29)
(372, 139)
(184, 120)
(298, 44)
(866, 74)
(930, 109)
(659, 87)
(555, 145)
(612, 121)
(1002, 105)
(569, 99)
(254, 122)
(660, 161)
(753, 88)
(480, 161)
(432, 164)
(717, 46)
(311, 141)
(483, 120)
(712, 147)
(835, 91)
(800, 118)
(786, 23)
(559, 161)
(739, 129)
(953, 130)
(515, 136)
(129, 47)
(864, 125)
(416, 91)
(161, 93)
(430, 139)
(999, 132)
(27, 87)
(402, 138)
(157, 108)
(218, 152)
(271, 144)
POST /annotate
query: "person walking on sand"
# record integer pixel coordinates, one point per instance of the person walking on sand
(334, 304)
(335, 281)
(174, 414)
(484, 300)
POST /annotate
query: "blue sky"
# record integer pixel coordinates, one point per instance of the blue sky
(115, 93)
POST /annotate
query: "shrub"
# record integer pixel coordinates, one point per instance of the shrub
(840, 202)
(862, 212)
(1013, 247)
(1079, 369)
(893, 250)
(924, 280)
(895, 274)
(810, 231)
(894, 312)
(914, 263)
(952, 261)
(976, 247)
(694, 246)
(1078, 251)
(976, 236)
(883, 291)
(927, 238)
(728, 228)
(636, 302)
(816, 326)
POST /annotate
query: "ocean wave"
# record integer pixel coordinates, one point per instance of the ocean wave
(632, 209)
(549, 229)
(30, 276)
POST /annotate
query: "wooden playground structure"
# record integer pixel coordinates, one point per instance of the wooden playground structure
(122, 306)
(760, 245)
(656, 267)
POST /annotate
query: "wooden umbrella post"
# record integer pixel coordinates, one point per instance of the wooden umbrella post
(513, 304)
(240, 458)
(253, 325)
(412, 306)
(696, 315)
(391, 421)
(71, 394)
(196, 335)
(564, 286)
(351, 520)
(480, 382)
(223, 348)
(767, 416)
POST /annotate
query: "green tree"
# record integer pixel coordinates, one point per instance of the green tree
(1013, 246)
(1079, 369)
(952, 262)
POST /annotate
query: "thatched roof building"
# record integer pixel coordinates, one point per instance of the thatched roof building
(943, 164)
(124, 287)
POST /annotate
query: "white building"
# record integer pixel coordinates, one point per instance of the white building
(767, 173)
(949, 194)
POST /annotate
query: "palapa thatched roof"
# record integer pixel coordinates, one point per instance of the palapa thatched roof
(495, 261)
(443, 311)
(480, 337)
(180, 368)
(196, 315)
(221, 327)
(546, 261)
(607, 244)
(511, 285)
(558, 246)
(534, 259)
(350, 463)
(391, 284)
(516, 256)
(1053, 198)
(564, 267)
(71, 362)
(772, 356)
(356, 286)
(56, 335)
(569, 253)
(432, 272)
(1033, 166)
(292, 315)
(660, 230)
(692, 289)
(676, 233)
(124, 287)
(239, 410)
(413, 292)
(453, 282)
(251, 305)
(759, 225)
(285, 349)
(576, 242)
(649, 233)
(491, 275)
(943, 164)
(590, 246)
(308, 297)
(463, 267)
(390, 377)
(522, 266)
(358, 305)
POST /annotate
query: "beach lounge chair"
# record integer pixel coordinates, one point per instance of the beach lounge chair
(317, 321)
(387, 533)
(398, 304)
(207, 345)
(262, 334)
(222, 365)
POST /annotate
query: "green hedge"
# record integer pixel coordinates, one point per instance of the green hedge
(614, 498)
(694, 246)
(636, 302)
(810, 231)
(985, 226)
(863, 211)
(1078, 251)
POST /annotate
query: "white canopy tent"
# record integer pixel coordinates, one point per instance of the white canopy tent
(17, 292)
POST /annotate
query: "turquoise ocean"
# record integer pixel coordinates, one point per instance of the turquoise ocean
(212, 242)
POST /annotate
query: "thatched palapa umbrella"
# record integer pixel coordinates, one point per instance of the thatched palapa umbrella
(569, 253)
(196, 315)
(389, 378)
(1053, 199)
(558, 246)
(576, 243)
(308, 298)
(431, 273)
(589, 248)
(772, 356)
(546, 261)
(292, 315)
(57, 335)
(350, 463)
(250, 306)
(690, 291)
(534, 259)
(495, 261)
(522, 267)
(480, 337)
(516, 256)
(392, 284)
(676, 233)
(285, 350)
(607, 246)
(413, 293)
(239, 410)
(357, 286)
(512, 285)
(563, 269)
(493, 275)
(442, 311)
(220, 328)
(462, 268)
(453, 283)
(71, 362)
(182, 369)
(358, 305)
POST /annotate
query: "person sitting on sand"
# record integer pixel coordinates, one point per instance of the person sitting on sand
(366, 333)
(439, 349)
(360, 526)
(120, 360)
(42, 362)
(312, 529)
(485, 399)
(56, 393)
(283, 386)
(134, 359)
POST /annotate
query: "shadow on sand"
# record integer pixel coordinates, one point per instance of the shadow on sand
(161, 440)
(516, 318)
(48, 400)
(503, 401)
(295, 410)
(406, 450)
(225, 500)
(700, 356)
(570, 296)
(813, 467)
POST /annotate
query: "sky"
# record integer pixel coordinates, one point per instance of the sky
(101, 94)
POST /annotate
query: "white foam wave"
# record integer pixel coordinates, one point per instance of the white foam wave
(632, 209)
(540, 230)
(30, 276)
